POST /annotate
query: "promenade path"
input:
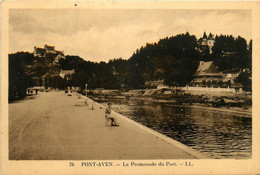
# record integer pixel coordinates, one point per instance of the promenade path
(55, 126)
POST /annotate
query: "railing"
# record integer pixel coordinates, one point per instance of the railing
(219, 89)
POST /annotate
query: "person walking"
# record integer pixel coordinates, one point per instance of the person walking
(109, 116)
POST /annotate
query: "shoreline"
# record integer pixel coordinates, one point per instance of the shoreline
(232, 103)
(229, 112)
(234, 112)
(240, 113)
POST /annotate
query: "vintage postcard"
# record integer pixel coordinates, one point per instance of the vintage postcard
(130, 87)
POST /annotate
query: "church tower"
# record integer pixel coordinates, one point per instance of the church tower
(210, 42)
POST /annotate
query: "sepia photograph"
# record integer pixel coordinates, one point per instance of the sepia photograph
(129, 84)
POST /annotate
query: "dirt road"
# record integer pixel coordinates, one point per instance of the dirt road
(55, 126)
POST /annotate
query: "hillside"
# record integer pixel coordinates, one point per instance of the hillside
(172, 59)
(25, 71)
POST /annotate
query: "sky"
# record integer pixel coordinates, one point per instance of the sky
(105, 34)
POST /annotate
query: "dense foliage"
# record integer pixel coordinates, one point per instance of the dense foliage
(172, 59)
(18, 80)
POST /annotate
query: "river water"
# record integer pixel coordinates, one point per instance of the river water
(217, 134)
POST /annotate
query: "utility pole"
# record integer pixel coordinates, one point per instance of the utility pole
(86, 89)
(43, 82)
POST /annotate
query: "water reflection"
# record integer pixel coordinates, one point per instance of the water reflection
(219, 135)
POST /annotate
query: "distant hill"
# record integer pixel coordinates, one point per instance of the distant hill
(172, 59)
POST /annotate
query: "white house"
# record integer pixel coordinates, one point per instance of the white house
(66, 73)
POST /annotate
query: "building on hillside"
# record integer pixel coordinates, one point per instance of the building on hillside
(207, 75)
(67, 74)
(152, 84)
(41, 52)
(205, 43)
(156, 84)
(247, 70)
(38, 51)
(49, 49)
(231, 77)
(58, 58)
(224, 54)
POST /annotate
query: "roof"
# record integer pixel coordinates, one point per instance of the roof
(200, 40)
(154, 83)
(67, 71)
(210, 37)
(40, 49)
(207, 69)
(233, 75)
(229, 53)
(237, 85)
(204, 35)
(49, 46)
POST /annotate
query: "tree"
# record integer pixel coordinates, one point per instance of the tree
(172, 59)
(241, 45)
(245, 79)
(18, 80)
(250, 45)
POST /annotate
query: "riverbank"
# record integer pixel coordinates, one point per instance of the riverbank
(55, 126)
(237, 103)
(220, 133)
